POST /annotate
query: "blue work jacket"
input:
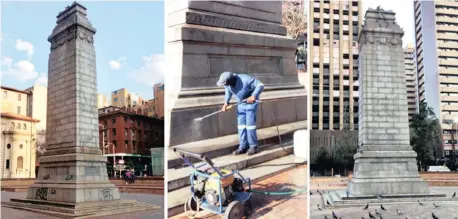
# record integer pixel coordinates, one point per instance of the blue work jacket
(245, 86)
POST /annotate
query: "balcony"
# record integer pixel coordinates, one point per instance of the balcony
(447, 44)
(449, 80)
(452, 71)
(452, 28)
(447, 11)
(446, 3)
(449, 62)
(449, 89)
(447, 36)
(449, 53)
(449, 98)
(446, 19)
(449, 107)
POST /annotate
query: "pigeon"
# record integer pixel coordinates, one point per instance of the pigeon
(454, 194)
(436, 206)
(398, 211)
(367, 206)
(371, 216)
(311, 192)
(376, 212)
(420, 202)
(318, 206)
(434, 216)
(334, 215)
(327, 202)
(381, 206)
(325, 217)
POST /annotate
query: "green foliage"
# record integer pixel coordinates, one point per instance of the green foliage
(323, 158)
(345, 144)
(426, 136)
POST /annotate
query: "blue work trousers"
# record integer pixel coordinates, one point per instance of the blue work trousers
(246, 118)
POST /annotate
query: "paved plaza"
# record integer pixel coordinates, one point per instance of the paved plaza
(446, 210)
(274, 207)
(157, 200)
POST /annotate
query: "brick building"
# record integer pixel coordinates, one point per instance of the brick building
(129, 136)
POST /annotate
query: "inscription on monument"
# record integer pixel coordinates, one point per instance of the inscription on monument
(91, 171)
(42, 194)
(245, 64)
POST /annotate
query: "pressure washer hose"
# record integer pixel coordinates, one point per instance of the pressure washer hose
(278, 192)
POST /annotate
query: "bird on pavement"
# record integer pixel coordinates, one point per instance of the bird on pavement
(398, 211)
(454, 194)
(381, 206)
(367, 206)
(434, 216)
(327, 202)
(420, 202)
(436, 206)
(318, 206)
(376, 212)
(371, 216)
(334, 215)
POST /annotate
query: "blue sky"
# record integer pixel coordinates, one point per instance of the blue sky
(129, 43)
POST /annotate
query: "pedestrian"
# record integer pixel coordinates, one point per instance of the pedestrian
(132, 176)
(127, 177)
(246, 90)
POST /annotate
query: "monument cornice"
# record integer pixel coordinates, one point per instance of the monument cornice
(233, 23)
(74, 32)
(379, 40)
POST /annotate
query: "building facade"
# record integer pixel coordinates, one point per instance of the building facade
(436, 48)
(14, 100)
(101, 101)
(129, 136)
(37, 104)
(410, 80)
(159, 100)
(333, 29)
(17, 149)
(123, 99)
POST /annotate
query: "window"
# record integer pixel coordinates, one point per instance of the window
(12, 125)
(138, 122)
(132, 133)
(8, 146)
(18, 126)
(133, 145)
(24, 126)
(19, 97)
(21, 146)
(5, 94)
(18, 110)
(126, 143)
(115, 99)
(105, 122)
(145, 135)
(113, 121)
(7, 164)
(125, 118)
(114, 131)
(114, 143)
(19, 162)
(125, 132)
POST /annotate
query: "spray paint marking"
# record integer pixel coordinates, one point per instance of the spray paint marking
(53, 191)
(46, 177)
(42, 194)
(69, 177)
(107, 195)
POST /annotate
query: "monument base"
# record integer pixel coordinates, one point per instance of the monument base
(74, 210)
(386, 172)
(340, 198)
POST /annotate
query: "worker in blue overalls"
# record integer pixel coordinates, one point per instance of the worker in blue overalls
(246, 90)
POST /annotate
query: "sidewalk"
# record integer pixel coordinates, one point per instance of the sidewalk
(273, 207)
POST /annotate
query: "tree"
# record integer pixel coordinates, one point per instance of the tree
(293, 17)
(346, 143)
(426, 135)
(40, 142)
(322, 158)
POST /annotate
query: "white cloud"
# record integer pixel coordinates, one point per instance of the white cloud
(22, 70)
(24, 46)
(404, 15)
(152, 71)
(117, 64)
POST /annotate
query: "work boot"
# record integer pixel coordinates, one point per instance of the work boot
(252, 151)
(238, 151)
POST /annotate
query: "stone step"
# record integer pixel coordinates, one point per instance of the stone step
(217, 147)
(256, 173)
(158, 190)
(64, 212)
(179, 178)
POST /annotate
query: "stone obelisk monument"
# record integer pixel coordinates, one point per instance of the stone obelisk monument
(206, 38)
(73, 171)
(385, 163)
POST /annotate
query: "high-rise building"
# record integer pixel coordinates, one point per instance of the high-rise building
(410, 80)
(123, 99)
(333, 28)
(101, 101)
(436, 31)
(159, 99)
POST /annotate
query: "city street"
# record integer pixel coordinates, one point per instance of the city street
(157, 200)
(446, 210)
(274, 207)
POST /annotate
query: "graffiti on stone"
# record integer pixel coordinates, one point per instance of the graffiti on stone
(107, 194)
(42, 194)
(46, 177)
(69, 177)
(53, 191)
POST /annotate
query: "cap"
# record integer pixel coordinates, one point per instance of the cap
(223, 78)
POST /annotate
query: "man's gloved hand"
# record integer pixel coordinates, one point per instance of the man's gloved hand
(224, 107)
(251, 99)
